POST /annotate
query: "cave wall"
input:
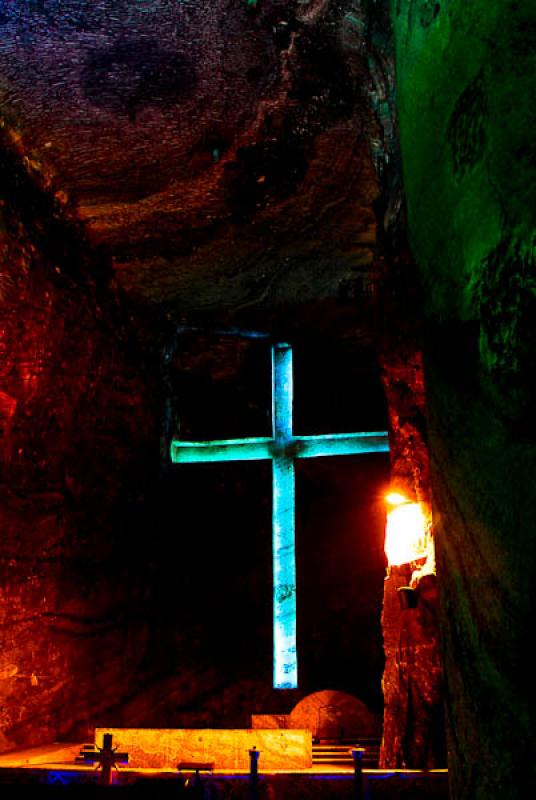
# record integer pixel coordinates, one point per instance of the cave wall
(464, 81)
(77, 426)
(413, 681)
(208, 159)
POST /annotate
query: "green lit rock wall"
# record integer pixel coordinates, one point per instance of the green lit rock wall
(467, 114)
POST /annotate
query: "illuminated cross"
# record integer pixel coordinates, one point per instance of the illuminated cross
(282, 448)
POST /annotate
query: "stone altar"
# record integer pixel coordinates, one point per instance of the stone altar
(228, 749)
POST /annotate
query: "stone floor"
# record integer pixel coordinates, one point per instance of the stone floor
(52, 771)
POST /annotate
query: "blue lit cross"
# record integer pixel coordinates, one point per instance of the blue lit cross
(282, 448)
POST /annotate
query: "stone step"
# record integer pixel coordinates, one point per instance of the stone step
(347, 743)
(340, 760)
(343, 748)
(332, 754)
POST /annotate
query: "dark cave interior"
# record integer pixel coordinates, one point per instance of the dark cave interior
(355, 177)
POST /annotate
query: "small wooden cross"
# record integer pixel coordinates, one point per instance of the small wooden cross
(106, 757)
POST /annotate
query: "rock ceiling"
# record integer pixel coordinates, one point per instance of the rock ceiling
(218, 154)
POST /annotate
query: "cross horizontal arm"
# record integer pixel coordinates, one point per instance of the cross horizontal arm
(255, 449)
(341, 444)
(261, 448)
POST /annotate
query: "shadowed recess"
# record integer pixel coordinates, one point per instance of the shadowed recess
(136, 73)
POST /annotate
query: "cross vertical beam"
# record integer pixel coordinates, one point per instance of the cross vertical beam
(283, 523)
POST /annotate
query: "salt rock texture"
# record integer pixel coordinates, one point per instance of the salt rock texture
(413, 682)
(77, 428)
(466, 109)
(217, 153)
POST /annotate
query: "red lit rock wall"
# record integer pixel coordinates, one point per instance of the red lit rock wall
(401, 343)
(413, 734)
(414, 726)
(413, 687)
(404, 389)
(75, 423)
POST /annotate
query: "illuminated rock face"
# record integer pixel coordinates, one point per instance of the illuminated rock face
(413, 688)
(413, 681)
(76, 432)
(414, 726)
(465, 78)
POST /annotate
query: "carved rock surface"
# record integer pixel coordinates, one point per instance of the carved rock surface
(414, 726)
(218, 153)
(76, 426)
(467, 116)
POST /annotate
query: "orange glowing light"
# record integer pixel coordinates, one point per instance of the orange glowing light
(396, 499)
(406, 535)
